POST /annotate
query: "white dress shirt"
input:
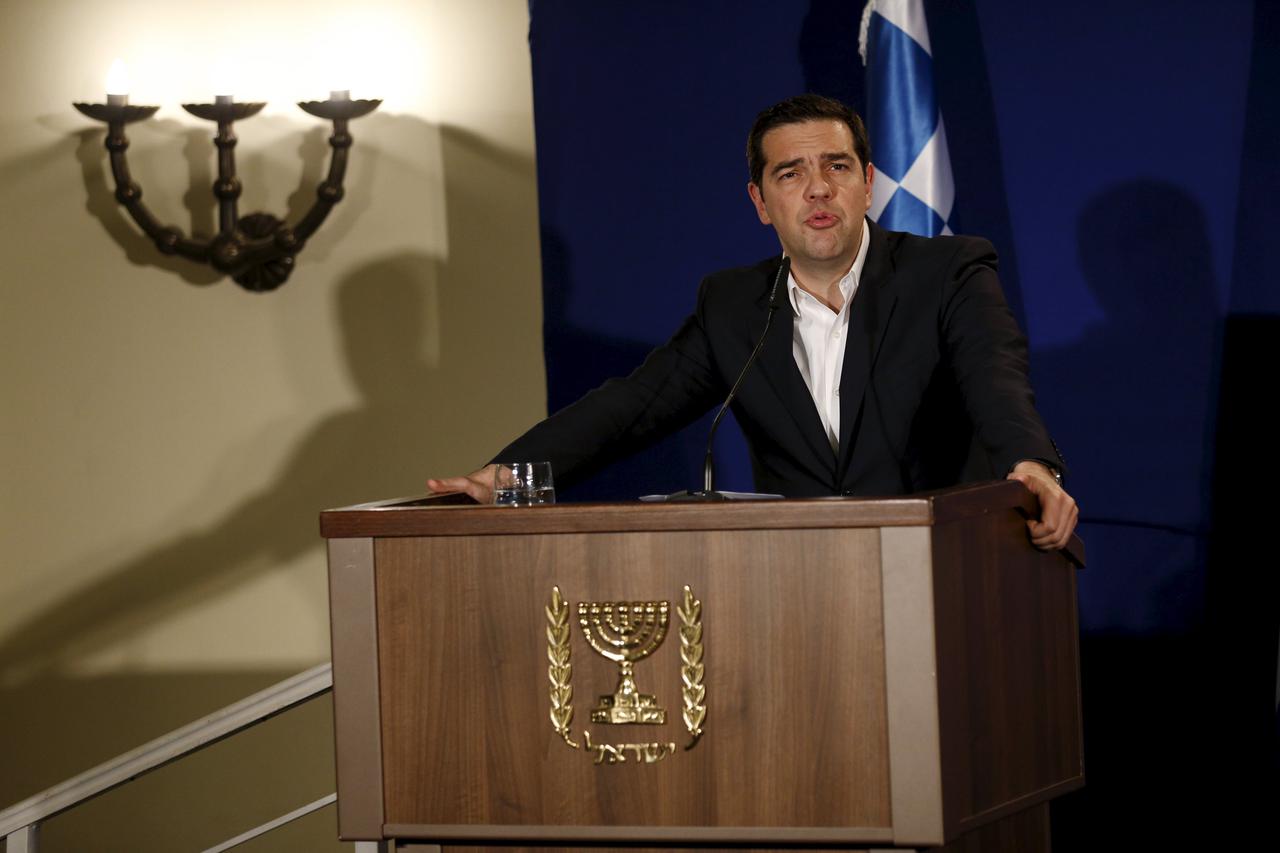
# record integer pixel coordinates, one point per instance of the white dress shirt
(818, 339)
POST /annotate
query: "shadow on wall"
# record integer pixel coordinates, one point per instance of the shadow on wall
(357, 454)
(416, 414)
(408, 413)
(1131, 406)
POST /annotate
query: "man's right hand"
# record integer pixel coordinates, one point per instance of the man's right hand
(477, 484)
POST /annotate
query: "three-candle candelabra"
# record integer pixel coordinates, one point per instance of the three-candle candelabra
(256, 250)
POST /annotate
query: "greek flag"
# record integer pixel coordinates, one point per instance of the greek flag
(913, 189)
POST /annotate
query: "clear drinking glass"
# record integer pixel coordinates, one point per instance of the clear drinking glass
(523, 484)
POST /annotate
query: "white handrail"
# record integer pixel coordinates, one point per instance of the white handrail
(203, 732)
(274, 824)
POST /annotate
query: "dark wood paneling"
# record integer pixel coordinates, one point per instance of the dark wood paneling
(1024, 832)
(677, 847)
(1011, 730)
(737, 848)
(623, 837)
(455, 849)
(794, 674)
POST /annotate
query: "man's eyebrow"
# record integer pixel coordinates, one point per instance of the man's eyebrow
(789, 164)
(826, 157)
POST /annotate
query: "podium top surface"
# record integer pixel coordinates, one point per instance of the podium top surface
(447, 515)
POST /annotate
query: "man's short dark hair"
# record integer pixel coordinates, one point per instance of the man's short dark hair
(799, 109)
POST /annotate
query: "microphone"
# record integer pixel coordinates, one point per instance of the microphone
(708, 493)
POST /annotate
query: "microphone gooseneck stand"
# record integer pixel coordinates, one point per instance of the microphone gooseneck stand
(708, 492)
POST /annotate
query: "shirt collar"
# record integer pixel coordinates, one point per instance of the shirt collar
(848, 283)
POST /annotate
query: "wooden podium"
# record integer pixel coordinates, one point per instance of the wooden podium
(842, 673)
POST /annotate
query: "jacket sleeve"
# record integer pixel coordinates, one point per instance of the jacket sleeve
(674, 386)
(988, 354)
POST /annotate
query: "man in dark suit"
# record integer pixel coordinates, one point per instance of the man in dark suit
(894, 364)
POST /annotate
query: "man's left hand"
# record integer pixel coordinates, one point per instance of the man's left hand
(1058, 510)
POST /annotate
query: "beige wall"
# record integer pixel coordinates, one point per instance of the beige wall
(168, 438)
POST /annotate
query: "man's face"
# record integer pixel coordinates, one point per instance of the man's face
(814, 192)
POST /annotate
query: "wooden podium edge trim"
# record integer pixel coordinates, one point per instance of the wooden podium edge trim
(443, 833)
(442, 516)
(911, 686)
(618, 517)
(357, 720)
(1044, 795)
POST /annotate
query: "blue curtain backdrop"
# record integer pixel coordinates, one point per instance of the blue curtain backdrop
(1123, 159)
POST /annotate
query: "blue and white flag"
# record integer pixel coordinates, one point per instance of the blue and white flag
(913, 189)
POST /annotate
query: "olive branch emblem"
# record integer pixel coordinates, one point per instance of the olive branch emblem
(560, 670)
(694, 693)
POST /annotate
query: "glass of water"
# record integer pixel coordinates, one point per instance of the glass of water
(523, 484)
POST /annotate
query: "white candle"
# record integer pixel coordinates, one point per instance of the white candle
(118, 84)
(225, 78)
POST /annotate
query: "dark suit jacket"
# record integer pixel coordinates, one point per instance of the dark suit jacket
(934, 388)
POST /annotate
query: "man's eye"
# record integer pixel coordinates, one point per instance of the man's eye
(786, 175)
(840, 166)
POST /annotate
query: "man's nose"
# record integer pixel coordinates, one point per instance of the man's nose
(818, 186)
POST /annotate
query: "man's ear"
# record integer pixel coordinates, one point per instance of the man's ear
(870, 177)
(757, 198)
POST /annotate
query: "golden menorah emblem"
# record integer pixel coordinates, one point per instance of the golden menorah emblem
(626, 632)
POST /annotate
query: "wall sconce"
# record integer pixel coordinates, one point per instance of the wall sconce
(257, 250)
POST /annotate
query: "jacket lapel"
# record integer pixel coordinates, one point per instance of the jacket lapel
(869, 317)
(778, 363)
